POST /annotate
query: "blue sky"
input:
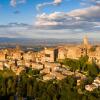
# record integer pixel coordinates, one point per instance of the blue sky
(49, 18)
(27, 11)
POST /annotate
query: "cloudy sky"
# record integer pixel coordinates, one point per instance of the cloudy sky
(49, 18)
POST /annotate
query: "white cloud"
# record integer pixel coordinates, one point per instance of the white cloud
(55, 2)
(13, 3)
(90, 2)
(92, 11)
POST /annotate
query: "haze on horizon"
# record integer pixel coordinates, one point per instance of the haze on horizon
(50, 18)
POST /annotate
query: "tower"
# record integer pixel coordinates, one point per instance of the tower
(18, 47)
(85, 41)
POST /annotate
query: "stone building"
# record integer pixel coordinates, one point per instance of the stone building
(17, 55)
(29, 56)
(62, 53)
(40, 56)
(2, 56)
(74, 53)
(50, 55)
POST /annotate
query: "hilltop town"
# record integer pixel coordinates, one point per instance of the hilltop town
(48, 61)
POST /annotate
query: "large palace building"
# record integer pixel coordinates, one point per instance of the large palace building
(76, 51)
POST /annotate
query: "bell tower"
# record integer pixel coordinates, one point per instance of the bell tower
(85, 41)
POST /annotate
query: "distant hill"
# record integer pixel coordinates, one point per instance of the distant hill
(29, 41)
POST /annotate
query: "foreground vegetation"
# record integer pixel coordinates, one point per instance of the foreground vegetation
(23, 86)
(82, 65)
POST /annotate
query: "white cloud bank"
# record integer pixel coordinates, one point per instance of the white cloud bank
(87, 19)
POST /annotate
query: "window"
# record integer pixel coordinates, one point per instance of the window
(47, 55)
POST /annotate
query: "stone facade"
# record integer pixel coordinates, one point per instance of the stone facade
(50, 54)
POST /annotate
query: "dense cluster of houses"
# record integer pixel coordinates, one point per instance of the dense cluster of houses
(45, 60)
